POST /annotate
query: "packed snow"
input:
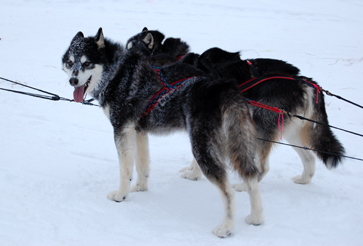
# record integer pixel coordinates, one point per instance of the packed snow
(58, 160)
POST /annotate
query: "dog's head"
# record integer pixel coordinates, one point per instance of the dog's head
(152, 44)
(147, 42)
(83, 63)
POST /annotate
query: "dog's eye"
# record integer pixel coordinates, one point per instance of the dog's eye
(69, 64)
(86, 64)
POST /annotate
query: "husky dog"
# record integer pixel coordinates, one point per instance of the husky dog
(139, 99)
(160, 52)
(297, 97)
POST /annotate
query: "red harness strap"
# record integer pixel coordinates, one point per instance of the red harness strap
(165, 90)
(169, 88)
(180, 57)
(274, 109)
(255, 81)
(259, 79)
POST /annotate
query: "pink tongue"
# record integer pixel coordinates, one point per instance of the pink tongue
(78, 93)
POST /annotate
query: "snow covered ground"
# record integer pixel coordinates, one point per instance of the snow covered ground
(58, 161)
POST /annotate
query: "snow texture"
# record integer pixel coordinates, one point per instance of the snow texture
(58, 160)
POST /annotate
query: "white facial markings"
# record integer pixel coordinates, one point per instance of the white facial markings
(91, 76)
(67, 70)
(96, 74)
(84, 59)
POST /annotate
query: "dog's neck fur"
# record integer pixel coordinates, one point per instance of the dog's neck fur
(132, 76)
(113, 56)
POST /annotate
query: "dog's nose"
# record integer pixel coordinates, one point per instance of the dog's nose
(73, 81)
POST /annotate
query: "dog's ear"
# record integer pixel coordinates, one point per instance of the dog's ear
(158, 36)
(78, 36)
(145, 29)
(149, 40)
(100, 39)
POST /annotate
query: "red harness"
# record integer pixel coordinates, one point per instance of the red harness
(167, 89)
(257, 79)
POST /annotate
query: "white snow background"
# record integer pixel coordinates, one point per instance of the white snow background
(58, 161)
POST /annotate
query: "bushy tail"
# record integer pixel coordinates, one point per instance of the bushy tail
(241, 139)
(321, 137)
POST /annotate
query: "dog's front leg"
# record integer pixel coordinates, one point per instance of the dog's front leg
(125, 141)
(142, 162)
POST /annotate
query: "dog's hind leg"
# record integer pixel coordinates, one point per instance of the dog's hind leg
(209, 159)
(263, 150)
(256, 215)
(217, 175)
(296, 137)
(126, 144)
(228, 197)
(241, 149)
(142, 162)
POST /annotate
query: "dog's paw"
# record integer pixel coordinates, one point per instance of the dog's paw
(222, 231)
(301, 180)
(240, 187)
(191, 176)
(254, 220)
(191, 173)
(139, 187)
(117, 196)
(185, 169)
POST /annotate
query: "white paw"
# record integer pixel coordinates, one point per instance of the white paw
(222, 231)
(192, 173)
(117, 196)
(185, 169)
(240, 187)
(254, 220)
(139, 187)
(301, 180)
(191, 176)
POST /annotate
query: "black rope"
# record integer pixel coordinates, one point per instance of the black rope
(55, 97)
(49, 96)
(341, 98)
(321, 123)
(306, 148)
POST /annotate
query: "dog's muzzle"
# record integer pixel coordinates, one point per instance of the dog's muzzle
(79, 91)
(73, 81)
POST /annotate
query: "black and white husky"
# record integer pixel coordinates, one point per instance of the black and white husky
(284, 88)
(139, 99)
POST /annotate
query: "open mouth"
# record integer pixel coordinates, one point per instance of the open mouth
(79, 91)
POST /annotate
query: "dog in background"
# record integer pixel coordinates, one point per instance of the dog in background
(298, 97)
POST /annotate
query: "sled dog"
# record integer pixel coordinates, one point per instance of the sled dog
(139, 99)
(284, 88)
(160, 52)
